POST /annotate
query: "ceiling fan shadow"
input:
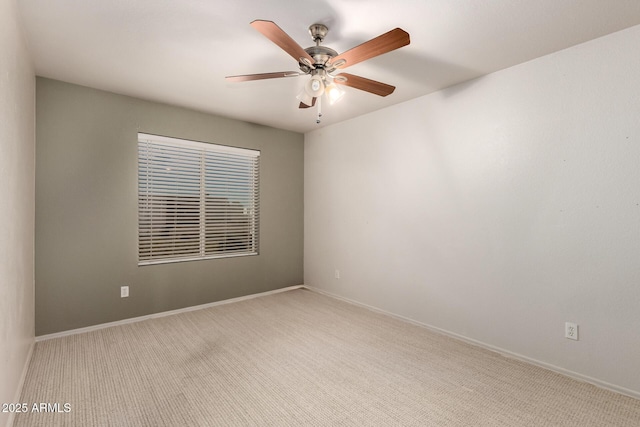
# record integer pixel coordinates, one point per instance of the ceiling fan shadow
(429, 74)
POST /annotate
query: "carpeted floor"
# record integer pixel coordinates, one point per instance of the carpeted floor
(293, 359)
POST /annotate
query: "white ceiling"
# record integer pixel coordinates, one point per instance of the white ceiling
(179, 51)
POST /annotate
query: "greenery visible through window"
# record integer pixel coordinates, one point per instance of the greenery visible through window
(195, 200)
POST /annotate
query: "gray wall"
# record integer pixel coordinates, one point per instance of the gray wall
(17, 176)
(86, 210)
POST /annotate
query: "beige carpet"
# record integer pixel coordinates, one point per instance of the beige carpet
(299, 358)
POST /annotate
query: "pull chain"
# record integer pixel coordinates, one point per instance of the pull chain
(319, 102)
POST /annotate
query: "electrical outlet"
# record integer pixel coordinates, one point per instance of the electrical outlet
(337, 274)
(124, 291)
(571, 331)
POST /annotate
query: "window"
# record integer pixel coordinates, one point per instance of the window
(195, 200)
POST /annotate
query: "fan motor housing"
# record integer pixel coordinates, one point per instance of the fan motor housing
(320, 55)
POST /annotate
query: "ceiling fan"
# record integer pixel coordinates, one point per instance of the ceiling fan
(323, 63)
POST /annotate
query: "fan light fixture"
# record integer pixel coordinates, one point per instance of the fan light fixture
(334, 93)
(304, 97)
(318, 85)
(314, 86)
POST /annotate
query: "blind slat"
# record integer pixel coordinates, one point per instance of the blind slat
(195, 200)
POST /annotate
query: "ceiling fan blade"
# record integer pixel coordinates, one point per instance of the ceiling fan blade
(387, 42)
(248, 77)
(274, 33)
(367, 85)
(303, 105)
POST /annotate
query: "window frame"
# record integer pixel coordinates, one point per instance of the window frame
(211, 209)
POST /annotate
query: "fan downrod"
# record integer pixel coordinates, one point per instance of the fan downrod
(321, 54)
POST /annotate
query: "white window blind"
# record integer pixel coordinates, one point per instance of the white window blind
(196, 200)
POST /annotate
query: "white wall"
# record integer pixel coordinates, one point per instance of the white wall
(497, 209)
(17, 193)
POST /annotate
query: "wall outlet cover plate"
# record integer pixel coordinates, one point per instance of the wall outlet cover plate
(571, 330)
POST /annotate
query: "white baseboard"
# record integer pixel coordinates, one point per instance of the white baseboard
(23, 377)
(161, 314)
(503, 352)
